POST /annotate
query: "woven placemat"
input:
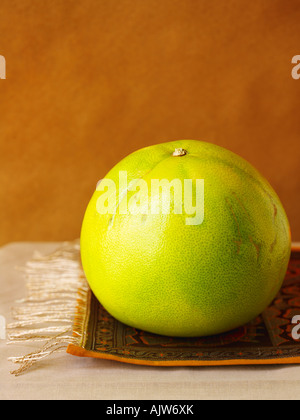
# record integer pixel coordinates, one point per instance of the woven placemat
(62, 311)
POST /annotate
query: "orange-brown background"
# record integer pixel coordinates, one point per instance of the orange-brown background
(90, 81)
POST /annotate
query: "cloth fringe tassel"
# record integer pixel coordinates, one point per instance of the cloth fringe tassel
(54, 311)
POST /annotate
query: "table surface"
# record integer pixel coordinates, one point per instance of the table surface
(67, 377)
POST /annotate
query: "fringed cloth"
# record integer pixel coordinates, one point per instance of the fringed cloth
(55, 308)
(61, 312)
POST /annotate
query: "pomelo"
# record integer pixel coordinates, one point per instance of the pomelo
(162, 272)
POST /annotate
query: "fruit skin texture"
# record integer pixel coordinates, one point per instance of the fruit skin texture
(160, 275)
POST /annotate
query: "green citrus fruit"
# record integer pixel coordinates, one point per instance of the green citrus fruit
(161, 270)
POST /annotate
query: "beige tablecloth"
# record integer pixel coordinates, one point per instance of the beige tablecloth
(67, 377)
